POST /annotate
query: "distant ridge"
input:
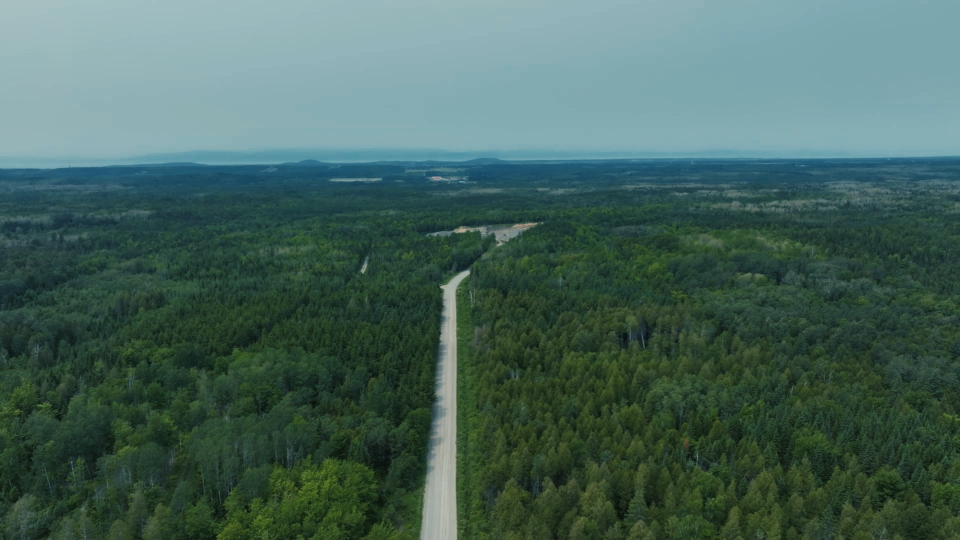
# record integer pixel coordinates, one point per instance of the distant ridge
(298, 156)
(302, 157)
(484, 161)
(305, 163)
(170, 164)
(401, 157)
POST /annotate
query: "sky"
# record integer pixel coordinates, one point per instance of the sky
(116, 78)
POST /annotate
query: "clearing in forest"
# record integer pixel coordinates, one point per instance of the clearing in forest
(503, 233)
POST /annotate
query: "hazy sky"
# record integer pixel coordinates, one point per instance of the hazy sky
(126, 77)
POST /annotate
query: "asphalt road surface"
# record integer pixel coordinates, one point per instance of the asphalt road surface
(440, 495)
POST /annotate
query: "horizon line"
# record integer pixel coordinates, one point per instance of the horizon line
(360, 155)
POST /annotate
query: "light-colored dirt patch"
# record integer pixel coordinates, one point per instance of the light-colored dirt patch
(356, 179)
(503, 233)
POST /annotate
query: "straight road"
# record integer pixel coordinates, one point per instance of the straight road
(440, 495)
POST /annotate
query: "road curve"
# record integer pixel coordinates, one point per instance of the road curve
(440, 494)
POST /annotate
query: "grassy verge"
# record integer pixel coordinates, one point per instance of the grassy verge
(471, 505)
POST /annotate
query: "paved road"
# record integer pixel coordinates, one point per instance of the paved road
(440, 496)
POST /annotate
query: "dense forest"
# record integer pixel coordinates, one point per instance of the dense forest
(183, 365)
(780, 368)
(679, 350)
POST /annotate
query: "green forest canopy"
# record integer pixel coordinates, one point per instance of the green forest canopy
(716, 350)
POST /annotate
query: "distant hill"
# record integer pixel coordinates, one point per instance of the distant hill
(171, 164)
(306, 163)
(484, 161)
